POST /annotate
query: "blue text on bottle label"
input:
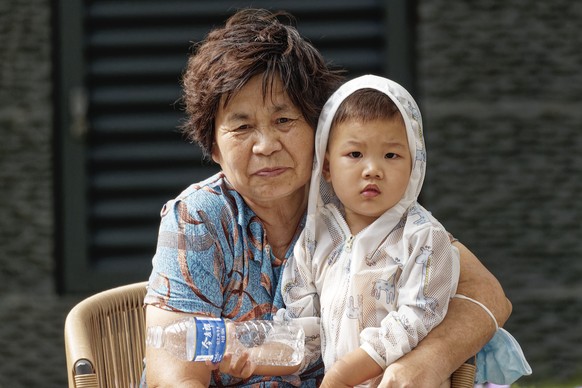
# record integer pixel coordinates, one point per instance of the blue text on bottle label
(210, 339)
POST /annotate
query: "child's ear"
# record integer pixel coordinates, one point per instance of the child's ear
(325, 172)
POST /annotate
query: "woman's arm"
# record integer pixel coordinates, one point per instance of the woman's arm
(478, 283)
(165, 370)
(464, 331)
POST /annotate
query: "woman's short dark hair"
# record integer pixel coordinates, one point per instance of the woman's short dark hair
(252, 42)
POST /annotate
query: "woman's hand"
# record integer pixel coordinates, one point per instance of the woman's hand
(411, 376)
(240, 367)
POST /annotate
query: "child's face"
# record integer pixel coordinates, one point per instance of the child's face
(369, 166)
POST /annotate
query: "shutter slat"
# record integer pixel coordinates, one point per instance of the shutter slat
(127, 153)
(124, 208)
(140, 182)
(160, 95)
(176, 10)
(124, 238)
(136, 66)
(144, 37)
(134, 125)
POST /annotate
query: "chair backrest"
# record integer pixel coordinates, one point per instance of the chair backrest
(464, 377)
(105, 338)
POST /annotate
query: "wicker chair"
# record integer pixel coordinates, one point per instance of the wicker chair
(104, 341)
(104, 338)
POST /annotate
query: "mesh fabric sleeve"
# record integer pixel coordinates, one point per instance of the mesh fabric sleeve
(302, 301)
(428, 280)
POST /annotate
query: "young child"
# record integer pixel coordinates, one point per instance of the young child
(373, 271)
(376, 266)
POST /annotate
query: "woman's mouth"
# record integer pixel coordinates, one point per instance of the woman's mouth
(270, 171)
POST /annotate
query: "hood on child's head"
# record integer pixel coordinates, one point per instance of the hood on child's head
(413, 123)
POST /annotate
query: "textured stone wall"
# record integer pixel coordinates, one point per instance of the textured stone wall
(500, 85)
(31, 314)
(25, 144)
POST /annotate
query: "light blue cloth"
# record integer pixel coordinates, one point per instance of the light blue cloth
(501, 361)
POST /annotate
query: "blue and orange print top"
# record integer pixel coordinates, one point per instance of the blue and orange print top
(213, 259)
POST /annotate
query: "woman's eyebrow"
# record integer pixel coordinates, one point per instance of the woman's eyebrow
(237, 116)
(283, 106)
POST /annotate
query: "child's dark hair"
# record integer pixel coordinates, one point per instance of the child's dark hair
(366, 105)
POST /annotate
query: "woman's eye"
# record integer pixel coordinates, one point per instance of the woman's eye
(391, 155)
(242, 127)
(283, 120)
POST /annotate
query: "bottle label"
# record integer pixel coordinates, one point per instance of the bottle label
(210, 339)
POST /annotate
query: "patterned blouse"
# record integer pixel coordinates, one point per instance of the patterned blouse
(213, 258)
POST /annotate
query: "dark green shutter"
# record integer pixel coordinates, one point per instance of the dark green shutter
(119, 154)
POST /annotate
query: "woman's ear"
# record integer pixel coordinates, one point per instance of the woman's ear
(215, 153)
(325, 171)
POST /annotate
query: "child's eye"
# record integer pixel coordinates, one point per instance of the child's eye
(355, 154)
(391, 155)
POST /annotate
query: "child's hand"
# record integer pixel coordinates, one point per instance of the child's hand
(239, 367)
(333, 380)
(355, 367)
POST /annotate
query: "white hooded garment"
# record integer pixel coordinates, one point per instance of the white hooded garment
(385, 288)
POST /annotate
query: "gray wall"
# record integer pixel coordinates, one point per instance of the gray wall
(500, 86)
(31, 314)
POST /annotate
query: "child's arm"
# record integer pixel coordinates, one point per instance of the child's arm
(465, 330)
(427, 282)
(352, 369)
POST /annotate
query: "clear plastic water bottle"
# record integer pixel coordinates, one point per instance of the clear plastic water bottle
(208, 339)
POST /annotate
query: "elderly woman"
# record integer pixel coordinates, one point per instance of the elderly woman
(253, 92)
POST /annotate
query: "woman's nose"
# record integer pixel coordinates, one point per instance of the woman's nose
(267, 141)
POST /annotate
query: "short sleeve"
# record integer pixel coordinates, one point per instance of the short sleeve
(188, 266)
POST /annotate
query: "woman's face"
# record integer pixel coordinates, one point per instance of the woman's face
(263, 143)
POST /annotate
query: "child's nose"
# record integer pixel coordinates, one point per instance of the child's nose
(372, 171)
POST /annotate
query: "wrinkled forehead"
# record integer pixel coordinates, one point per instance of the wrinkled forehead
(267, 85)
